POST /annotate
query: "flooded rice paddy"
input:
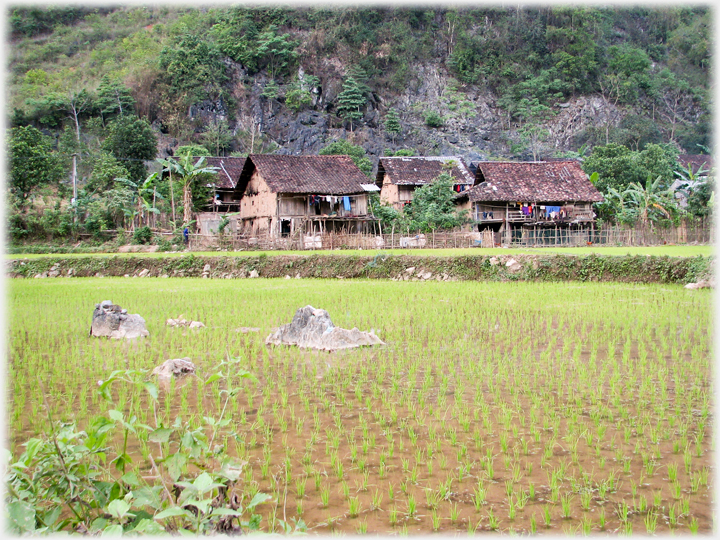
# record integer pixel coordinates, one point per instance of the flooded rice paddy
(552, 407)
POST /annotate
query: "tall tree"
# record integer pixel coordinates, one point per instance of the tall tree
(113, 99)
(350, 100)
(392, 124)
(132, 141)
(32, 163)
(276, 52)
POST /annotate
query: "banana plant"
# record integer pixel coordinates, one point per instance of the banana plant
(143, 199)
(651, 201)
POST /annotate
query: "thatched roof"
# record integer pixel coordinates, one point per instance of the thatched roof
(229, 169)
(539, 181)
(419, 170)
(696, 161)
(319, 175)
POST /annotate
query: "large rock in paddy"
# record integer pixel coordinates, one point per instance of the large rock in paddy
(110, 320)
(174, 367)
(312, 328)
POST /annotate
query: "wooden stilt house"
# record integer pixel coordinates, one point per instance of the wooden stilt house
(282, 195)
(530, 199)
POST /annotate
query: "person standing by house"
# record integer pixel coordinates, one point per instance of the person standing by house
(186, 235)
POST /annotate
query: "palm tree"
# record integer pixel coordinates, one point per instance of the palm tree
(188, 172)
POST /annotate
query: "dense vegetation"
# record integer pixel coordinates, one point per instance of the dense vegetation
(643, 59)
(115, 85)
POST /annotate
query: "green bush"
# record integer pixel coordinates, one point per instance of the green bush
(142, 235)
(434, 120)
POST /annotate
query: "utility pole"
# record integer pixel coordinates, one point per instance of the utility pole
(74, 175)
(74, 181)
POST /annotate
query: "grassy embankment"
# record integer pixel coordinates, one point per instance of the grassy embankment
(670, 251)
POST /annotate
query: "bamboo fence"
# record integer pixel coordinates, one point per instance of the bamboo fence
(608, 235)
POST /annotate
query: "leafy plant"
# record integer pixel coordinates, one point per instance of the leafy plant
(67, 469)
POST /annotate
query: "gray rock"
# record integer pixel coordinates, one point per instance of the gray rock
(110, 320)
(144, 272)
(175, 367)
(183, 322)
(312, 328)
(254, 274)
(513, 265)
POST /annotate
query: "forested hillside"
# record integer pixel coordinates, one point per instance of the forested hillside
(483, 83)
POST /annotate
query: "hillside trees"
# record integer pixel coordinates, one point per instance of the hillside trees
(218, 136)
(193, 68)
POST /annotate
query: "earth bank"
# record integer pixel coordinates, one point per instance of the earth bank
(551, 267)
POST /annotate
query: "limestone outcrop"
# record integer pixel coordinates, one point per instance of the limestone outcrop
(111, 320)
(313, 328)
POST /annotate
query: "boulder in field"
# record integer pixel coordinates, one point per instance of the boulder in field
(175, 367)
(110, 320)
(312, 328)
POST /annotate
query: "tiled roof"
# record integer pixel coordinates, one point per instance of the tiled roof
(319, 175)
(696, 160)
(419, 170)
(537, 181)
(229, 169)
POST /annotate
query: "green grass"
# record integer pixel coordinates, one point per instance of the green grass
(670, 251)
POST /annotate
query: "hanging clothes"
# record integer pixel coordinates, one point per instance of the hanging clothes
(346, 203)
